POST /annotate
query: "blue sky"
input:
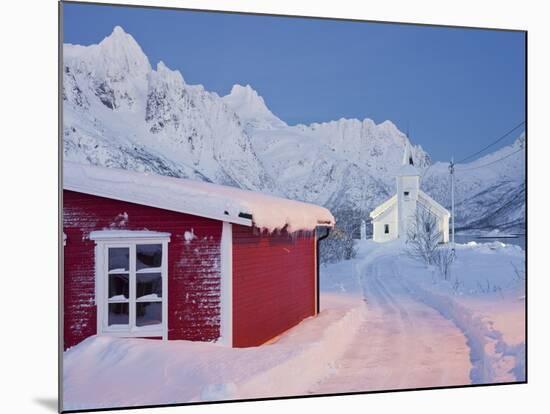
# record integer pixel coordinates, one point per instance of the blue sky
(455, 90)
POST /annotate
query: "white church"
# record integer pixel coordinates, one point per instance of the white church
(393, 218)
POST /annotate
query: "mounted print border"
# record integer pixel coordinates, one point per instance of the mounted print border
(244, 241)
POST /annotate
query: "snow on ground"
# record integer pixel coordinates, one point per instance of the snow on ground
(111, 372)
(474, 322)
(387, 322)
(401, 344)
(485, 298)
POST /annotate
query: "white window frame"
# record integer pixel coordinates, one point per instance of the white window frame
(108, 239)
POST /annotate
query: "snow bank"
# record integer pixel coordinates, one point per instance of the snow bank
(489, 353)
(194, 197)
(312, 364)
(482, 297)
(113, 372)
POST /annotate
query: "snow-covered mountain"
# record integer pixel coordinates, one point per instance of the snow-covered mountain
(120, 112)
(490, 192)
(251, 108)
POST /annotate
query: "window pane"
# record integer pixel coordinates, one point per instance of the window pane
(148, 313)
(119, 258)
(118, 314)
(148, 256)
(149, 285)
(118, 287)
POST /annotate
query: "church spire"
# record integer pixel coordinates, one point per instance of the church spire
(407, 165)
(407, 155)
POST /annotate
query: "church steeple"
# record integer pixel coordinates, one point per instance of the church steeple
(407, 164)
(407, 155)
(408, 187)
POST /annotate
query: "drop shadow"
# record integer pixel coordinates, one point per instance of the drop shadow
(49, 403)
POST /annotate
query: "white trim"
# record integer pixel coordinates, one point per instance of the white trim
(108, 234)
(137, 200)
(226, 285)
(164, 268)
(101, 284)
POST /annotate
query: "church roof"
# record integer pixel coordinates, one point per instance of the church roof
(408, 169)
(432, 205)
(384, 206)
(423, 199)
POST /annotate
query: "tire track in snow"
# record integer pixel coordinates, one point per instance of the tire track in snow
(403, 343)
(488, 350)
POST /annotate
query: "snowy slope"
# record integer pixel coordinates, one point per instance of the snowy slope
(121, 112)
(251, 108)
(342, 164)
(490, 192)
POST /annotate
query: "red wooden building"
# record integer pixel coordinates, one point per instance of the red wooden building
(162, 257)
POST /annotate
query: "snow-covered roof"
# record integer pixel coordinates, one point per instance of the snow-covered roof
(383, 207)
(203, 199)
(424, 199)
(433, 205)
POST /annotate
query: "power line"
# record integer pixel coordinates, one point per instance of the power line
(492, 143)
(478, 152)
(426, 171)
(490, 163)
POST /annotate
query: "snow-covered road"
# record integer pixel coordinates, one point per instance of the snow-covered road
(403, 343)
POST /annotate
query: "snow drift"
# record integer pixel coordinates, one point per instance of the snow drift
(113, 372)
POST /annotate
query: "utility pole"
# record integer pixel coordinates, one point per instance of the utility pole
(452, 170)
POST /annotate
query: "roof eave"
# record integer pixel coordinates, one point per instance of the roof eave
(383, 207)
(221, 217)
(435, 204)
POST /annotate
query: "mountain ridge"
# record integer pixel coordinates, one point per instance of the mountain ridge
(120, 112)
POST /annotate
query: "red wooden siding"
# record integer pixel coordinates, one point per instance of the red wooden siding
(193, 268)
(273, 283)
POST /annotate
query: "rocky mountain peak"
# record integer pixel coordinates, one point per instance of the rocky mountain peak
(119, 112)
(119, 54)
(251, 108)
